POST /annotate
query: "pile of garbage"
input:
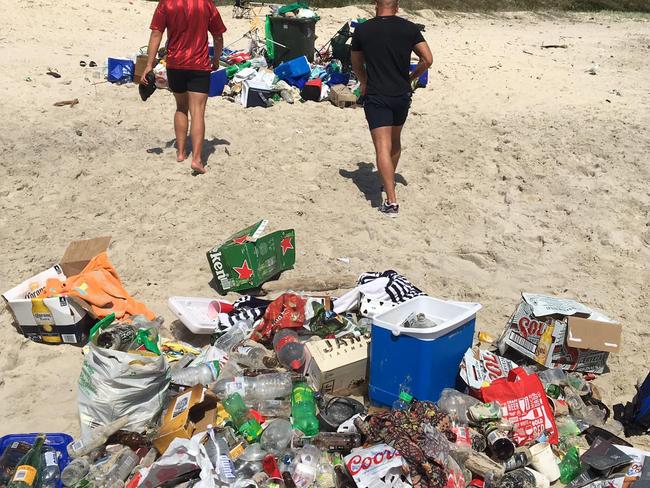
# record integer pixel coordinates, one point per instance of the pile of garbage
(281, 66)
(382, 386)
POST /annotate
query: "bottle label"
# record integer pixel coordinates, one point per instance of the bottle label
(77, 445)
(25, 474)
(50, 459)
(463, 438)
(495, 435)
(251, 430)
(237, 386)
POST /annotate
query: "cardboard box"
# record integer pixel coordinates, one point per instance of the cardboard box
(561, 333)
(246, 259)
(188, 413)
(342, 96)
(140, 65)
(338, 366)
(71, 321)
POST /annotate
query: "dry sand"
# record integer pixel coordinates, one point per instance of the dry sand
(520, 172)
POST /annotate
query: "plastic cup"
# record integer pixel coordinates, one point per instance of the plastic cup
(543, 460)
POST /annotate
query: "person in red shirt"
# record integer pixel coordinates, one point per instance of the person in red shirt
(188, 65)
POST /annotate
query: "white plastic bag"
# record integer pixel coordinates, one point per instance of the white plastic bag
(114, 384)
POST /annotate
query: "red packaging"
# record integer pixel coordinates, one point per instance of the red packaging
(524, 403)
(286, 311)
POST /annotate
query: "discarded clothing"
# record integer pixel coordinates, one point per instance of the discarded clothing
(100, 287)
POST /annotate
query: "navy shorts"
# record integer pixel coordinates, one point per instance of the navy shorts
(385, 111)
(184, 80)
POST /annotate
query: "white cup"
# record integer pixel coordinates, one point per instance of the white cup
(544, 461)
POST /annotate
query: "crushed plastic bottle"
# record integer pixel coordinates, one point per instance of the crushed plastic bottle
(570, 466)
(306, 466)
(203, 374)
(263, 387)
(95, 438)
(234, 336)
(277, 436)
(451, 399)
(253, 355)
(74, 472)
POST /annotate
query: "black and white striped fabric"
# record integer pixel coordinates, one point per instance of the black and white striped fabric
(247, 308)
(399, 289)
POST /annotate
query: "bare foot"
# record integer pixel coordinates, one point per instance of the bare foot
(181, 156)
(198, 167)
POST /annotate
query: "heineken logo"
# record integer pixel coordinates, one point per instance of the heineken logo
(244, 271)
(215, 258)
(240, 240)
(286, 245)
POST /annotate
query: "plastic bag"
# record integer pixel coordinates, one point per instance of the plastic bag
(524, 403)
(160, 72)
(114, 384)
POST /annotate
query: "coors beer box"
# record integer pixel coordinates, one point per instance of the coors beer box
(561, 333)
(246, 260)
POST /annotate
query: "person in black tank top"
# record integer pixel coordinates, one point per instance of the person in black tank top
(381, 57)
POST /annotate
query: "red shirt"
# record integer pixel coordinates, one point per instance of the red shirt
(187, 23)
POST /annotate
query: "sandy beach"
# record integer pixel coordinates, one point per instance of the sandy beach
(520, 172)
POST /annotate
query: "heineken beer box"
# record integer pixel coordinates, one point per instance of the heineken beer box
(246, 260)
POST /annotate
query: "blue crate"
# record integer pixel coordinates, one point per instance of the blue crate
(56, 440)
(423, 80)
(218, 81)
(120, 70)
(296, 68)
(428, 359)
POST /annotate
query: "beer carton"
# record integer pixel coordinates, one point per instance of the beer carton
(338, 366)
(561, 333)
(246, 259)
(69, 319)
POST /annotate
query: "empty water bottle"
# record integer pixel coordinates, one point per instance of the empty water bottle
(253, 355)
(126, 461)
(404, 399)
(51, 474)
(204, 374)
(290, 351)
(233, 336)
(262, 387)
(75, 471)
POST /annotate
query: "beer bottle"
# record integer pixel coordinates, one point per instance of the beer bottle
(45, 322)
(27, 472)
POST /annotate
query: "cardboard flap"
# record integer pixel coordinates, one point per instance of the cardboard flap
(79, 253)
(592, 334)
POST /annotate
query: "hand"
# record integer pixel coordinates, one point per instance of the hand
(362, 89)
(143, 79)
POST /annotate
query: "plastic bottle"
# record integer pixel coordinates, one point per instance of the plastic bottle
(277, 436)
(305, 467)
(453, 399)
(242, 418)
(203, 374)
(570, 465)
(272, 408)
(253, 355)
(262, 387)
(75, 471)
(404, 399)
(290, 351)
(124, 464)
(95, 438)
(233, 336)
(463, 437)
(303, 409)
(51, 473)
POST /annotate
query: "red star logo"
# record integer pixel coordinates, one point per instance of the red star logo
(240, 240)
(244, 272)
(286, 245)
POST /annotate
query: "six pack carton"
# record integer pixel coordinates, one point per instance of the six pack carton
(246, 259)
(55, 320)
(561, 333)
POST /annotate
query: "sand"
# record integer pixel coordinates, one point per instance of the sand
(520, 172)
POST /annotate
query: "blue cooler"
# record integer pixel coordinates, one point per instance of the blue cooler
(120, 70)
(427, 360)
(295, 68)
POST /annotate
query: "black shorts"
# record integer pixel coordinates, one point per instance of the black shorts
(184, 80)
(385, 111)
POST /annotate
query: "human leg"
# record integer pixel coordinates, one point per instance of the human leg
(180, 125)
(396, 145)
(382, 140)
(197, 103)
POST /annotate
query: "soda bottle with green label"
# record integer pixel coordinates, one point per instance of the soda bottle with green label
(303, 409)
(242, 418)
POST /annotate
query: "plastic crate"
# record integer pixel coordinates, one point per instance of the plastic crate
(427, 359)
(218, 81)
(120, 70)
(56, 440)
(296, 68)
(423, 80)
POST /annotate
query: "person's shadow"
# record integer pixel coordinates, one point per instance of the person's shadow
(209, 147)
(368, 181)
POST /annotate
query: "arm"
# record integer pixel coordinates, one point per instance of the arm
(152, 51)
(426, 59)
(218, 49)
(359, 68)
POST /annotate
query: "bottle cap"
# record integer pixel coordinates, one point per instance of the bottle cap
(407, 397)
